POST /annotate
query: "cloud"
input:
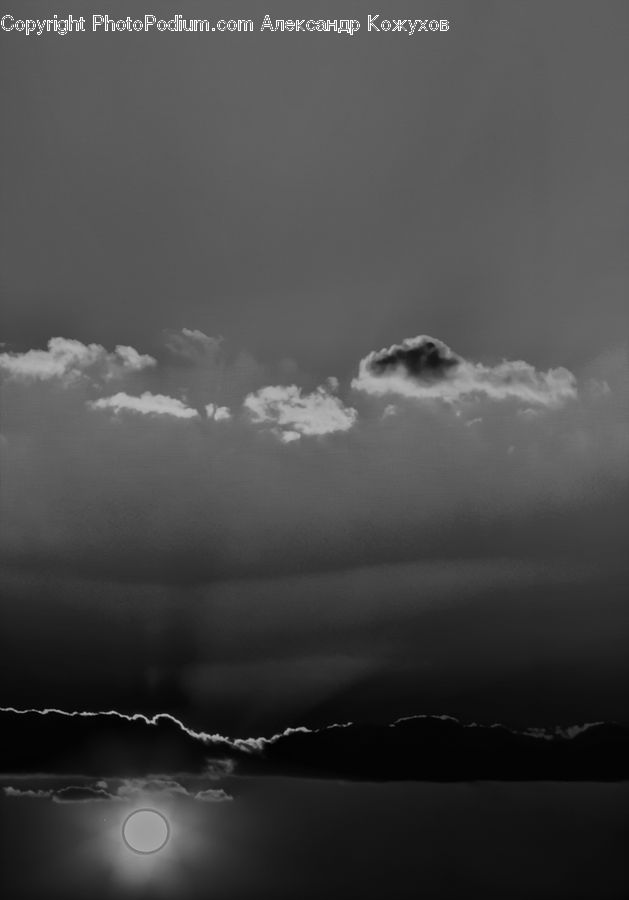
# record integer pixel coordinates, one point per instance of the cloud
(396, 488)
(292, 415)
(422, 358)
(30, 793)
(414, 748)
(62, 742)
(132, 790)
(83, 794)
(71, 793)
(212, 795)
(139, 788)
(442, 748)
(193, 346)
(424, 368)
(213, 376)
(68, 360)
(146, 404)
(218, 413)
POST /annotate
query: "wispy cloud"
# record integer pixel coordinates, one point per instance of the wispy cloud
(146, 404)
(193, 346)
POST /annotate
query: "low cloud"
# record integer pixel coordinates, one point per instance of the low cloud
(28, 793)
(212, 795)
(146, 404)
(415, 748)
(83, 794)
(120, 791)
(71, 793)
(290, 414)
(144, 788)
(424, 368)
(68, 360)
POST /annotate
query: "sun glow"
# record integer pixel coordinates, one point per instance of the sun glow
(145, 831)
(148, 844)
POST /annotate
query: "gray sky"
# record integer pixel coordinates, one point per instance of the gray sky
(312, 199)
(313, 196)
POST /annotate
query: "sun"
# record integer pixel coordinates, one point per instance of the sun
(145, 831)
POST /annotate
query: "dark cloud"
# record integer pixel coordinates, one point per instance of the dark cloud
(417, 748)
(424, 358)
(439, 748)
(424, 368)
(105, 743)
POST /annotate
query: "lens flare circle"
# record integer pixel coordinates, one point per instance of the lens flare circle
(145, 831)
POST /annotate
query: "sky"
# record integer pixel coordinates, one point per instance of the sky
(419, 837)
(314, 372)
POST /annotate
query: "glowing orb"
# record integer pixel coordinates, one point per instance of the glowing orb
(145, 831)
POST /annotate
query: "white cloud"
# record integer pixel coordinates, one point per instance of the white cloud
(68, 360)
(287, 437)
(293, 415)
(132, 361)
(146, 404)
(425, 368)
(218, 413)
